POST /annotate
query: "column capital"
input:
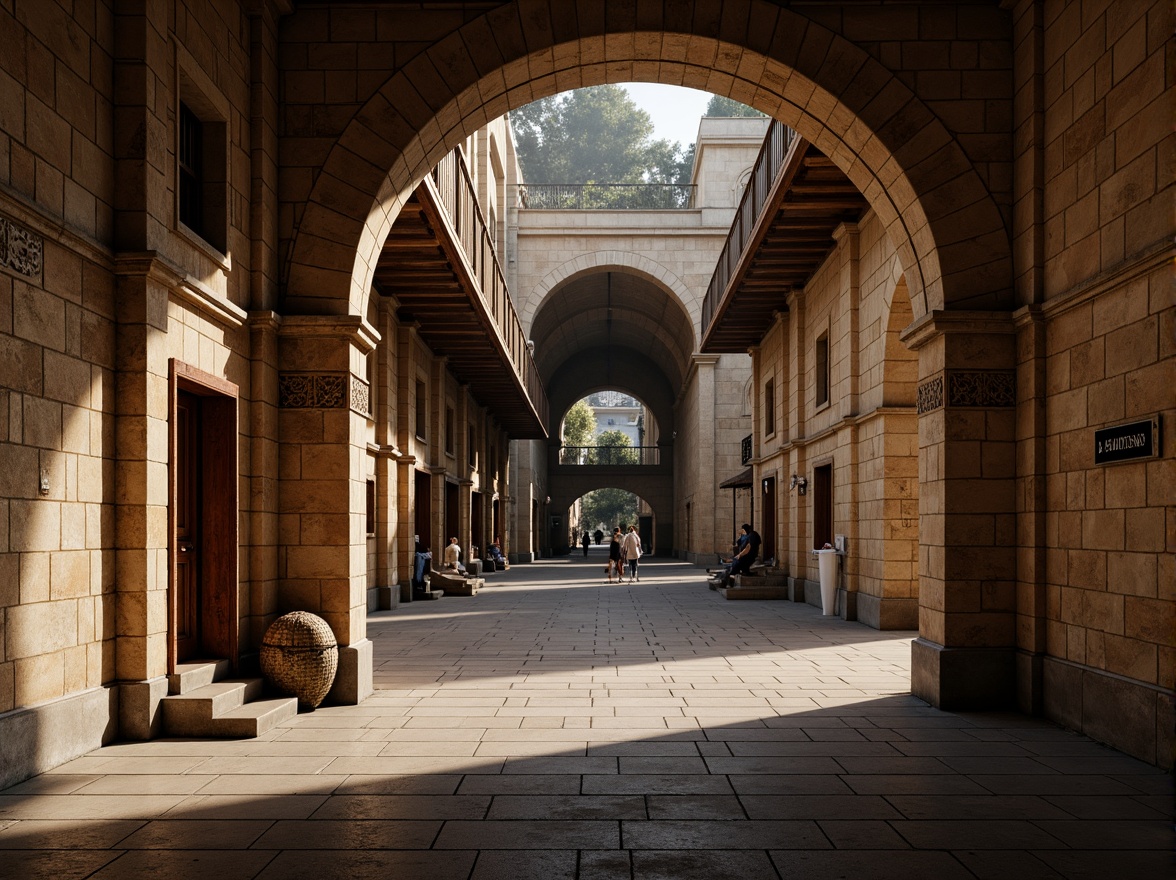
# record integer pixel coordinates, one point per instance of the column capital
(944, 323)
(350, 327)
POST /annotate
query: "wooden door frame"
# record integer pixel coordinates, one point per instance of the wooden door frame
(220, 616)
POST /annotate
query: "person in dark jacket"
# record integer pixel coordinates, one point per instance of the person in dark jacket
(614, 555)
(585, 541)
(746, 555)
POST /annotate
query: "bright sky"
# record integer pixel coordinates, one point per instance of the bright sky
(675, 111)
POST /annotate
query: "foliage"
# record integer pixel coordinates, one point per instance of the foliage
(613, 447)
(607, 508)
(593, 135)
(579, 425)
(720, 106)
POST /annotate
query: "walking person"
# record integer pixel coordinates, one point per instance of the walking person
(614, 555)
(631, 547)
(585, 541)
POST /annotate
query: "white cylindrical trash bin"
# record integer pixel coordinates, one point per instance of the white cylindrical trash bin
(827, 565)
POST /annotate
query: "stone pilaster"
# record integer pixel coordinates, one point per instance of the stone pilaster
(964, 656)
(141, 491)
(263, 479)
(704, 513)
(324, 405)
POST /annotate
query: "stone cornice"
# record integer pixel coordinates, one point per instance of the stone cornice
(938, 322)
(351, 327)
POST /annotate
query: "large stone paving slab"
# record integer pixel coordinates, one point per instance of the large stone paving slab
(554, 726)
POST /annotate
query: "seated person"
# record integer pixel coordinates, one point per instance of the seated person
(495, 552)
(422, 563)
(741, 562)
(453, 556)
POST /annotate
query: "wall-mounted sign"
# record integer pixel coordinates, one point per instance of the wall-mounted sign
(1127, 442)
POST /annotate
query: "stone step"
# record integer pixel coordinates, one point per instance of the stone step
(197, 674)
(755, 593)
(773, 580)
(255, 718)
(194, 713)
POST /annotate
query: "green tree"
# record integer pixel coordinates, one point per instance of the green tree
(593, 135)
(613, 447)
(607, 508)
(578, 426)
(720, 106)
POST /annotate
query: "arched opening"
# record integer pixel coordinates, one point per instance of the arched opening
(889, 142)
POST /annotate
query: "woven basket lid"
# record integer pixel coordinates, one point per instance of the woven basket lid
(299, 629)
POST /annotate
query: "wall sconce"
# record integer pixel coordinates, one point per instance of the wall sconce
(799, 483)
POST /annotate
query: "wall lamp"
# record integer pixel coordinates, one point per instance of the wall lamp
(800, 483)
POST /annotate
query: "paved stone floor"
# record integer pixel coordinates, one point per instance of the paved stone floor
(554, 726)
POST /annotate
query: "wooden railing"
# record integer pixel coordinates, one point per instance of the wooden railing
(458, 197)
(606, 196)
(759, 186)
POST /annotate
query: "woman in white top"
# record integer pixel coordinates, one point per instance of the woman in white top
(631, 547)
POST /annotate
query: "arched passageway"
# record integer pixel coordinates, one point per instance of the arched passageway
(916, 173)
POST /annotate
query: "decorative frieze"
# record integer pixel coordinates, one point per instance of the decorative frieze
(21, 249)
(968, 388)
(323, 391)
(986, 388)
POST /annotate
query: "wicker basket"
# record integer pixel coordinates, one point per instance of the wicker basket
(299, 656)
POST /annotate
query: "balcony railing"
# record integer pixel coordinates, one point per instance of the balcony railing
(759, 186)
(609, 455)
(606, 196)
(458, 197)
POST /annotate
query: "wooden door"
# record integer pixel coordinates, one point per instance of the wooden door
(187, 524)
(769, 516)
(822, 506)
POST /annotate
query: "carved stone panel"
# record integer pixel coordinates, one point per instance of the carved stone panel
(985, 388)
(930, 395)
(312, 391)
(21, 250)
(968, 388)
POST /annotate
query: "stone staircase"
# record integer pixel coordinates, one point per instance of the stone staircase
(202, 702)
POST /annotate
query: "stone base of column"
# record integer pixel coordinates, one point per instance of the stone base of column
(1030, 692)
(517, 558)
(797, 587)
(847, 604)
(140, 715)
(383, 598)
(353, 681)
(963, 678)
(43, 737)
(882, 613)
(1131, 716)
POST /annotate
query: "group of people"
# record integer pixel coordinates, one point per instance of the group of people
(623, 550)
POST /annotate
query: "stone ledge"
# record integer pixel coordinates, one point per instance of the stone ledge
(1095, 702)
(42, 737)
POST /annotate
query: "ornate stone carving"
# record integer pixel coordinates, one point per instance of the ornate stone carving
(21, 250)
(982, 388)
(312, 391)
(930, 395)
(361, 397)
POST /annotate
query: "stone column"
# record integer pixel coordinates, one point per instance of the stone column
(704, 512)
(263, 474)
(795, 412)
(141, 492)
(964, 656)
(324, 410)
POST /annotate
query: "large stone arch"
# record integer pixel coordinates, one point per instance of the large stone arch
(938, 212)
(614, 261)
